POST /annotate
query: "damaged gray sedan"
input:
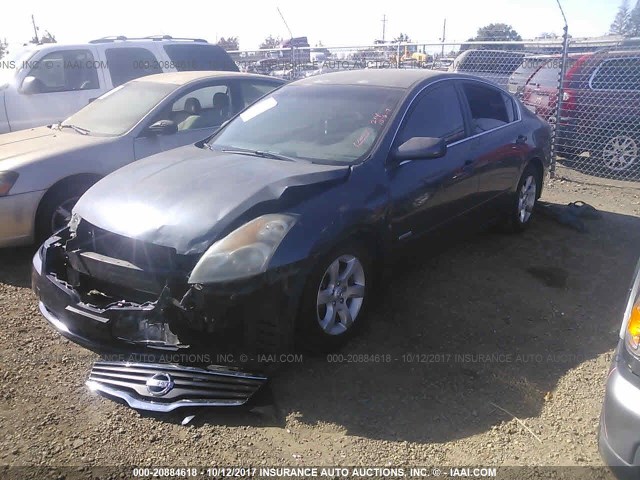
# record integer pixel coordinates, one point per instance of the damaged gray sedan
(193, 265)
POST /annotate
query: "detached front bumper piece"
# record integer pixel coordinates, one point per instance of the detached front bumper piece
(164, 388)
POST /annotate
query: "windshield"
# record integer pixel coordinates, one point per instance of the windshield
(12, 63)
(120, 109)
(324, 123)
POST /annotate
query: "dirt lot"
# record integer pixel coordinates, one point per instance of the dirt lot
(532, 318)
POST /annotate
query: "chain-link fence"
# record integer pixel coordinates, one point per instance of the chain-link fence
(588, 90)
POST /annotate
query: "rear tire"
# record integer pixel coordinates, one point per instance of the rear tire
(55, 208)
(335, 298)
(522, 207)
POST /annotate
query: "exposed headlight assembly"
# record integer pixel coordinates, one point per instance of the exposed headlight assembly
(243, 253)
(631, 325)
(7, 179)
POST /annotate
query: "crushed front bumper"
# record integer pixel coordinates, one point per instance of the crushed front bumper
(205, 363)
(164, 388)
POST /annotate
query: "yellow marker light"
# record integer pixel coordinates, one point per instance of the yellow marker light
(633, 328)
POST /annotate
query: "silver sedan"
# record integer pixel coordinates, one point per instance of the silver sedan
(43, 171)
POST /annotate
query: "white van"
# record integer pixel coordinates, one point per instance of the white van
(44, 84)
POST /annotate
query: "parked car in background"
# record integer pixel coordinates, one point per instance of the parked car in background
(530, 65)
(272, 231)
(443, 64)
(620, 416)
(540, 94)
(494, 65)
(43, 171)
(44, 84)
(600, 111)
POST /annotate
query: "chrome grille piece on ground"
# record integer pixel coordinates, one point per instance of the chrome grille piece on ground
(164, 388)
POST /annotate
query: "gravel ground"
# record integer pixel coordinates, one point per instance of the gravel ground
(495, 327)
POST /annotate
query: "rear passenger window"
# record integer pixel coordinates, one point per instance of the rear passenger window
(490, 108)
(65, 71)
(199, 57)
(436, 114)
(617, 74)
(130, 62)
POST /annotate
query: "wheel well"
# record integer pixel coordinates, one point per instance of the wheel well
(537, 164)
(374, 245)
(65, 183)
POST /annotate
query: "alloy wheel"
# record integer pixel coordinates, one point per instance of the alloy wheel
(527, 199)
(340, 295)
(619, 153)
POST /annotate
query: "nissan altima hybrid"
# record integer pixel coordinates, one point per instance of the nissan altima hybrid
(269, 235)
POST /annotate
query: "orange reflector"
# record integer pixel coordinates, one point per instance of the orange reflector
(634, 326)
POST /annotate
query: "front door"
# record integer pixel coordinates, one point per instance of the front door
(55, 85)
(429, 193)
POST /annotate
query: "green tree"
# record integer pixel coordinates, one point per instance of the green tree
(495, 32)
(229, 43)
(622, 21)
(271, 42)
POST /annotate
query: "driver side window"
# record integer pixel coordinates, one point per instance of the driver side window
(436, 113)
(65, 71)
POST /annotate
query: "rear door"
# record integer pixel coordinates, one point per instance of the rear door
(429, 193)
(497, 141)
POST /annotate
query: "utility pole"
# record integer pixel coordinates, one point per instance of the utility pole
(35, 29)
(444, 34)
(384, 27)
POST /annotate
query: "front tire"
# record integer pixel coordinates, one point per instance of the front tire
(335, 298)
(55, 208)
(522, 209)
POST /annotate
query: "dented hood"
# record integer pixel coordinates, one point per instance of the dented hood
(184, 198)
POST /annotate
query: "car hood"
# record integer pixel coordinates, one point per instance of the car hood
(18, 148)
(186, 197)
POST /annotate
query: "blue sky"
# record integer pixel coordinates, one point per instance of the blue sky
(332, 22)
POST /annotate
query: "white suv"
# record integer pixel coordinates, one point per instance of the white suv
(44, 84)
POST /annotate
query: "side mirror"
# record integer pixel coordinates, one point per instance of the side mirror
(420, 148)
(162, 127)
(31, 85)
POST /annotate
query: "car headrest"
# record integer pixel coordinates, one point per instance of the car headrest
(192, 105)
(221, 101)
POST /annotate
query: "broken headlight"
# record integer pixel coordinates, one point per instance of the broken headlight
(244, 252)
(631, 324)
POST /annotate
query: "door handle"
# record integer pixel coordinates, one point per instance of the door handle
(467, 164)
(522, 139)
(91, 100)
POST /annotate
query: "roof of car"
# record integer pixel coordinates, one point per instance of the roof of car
(382, 77)
(181, 78)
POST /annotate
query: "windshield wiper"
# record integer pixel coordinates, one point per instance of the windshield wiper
(80, 130)
(259, 153)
